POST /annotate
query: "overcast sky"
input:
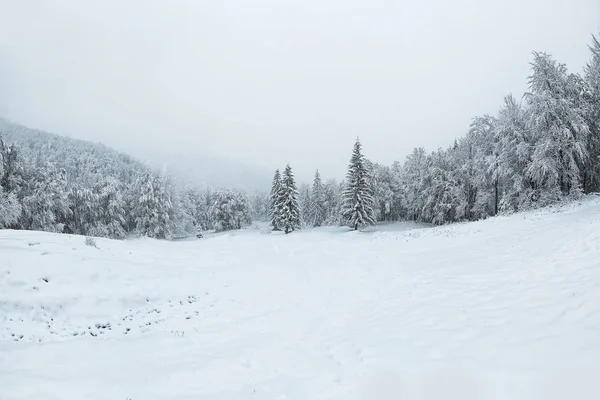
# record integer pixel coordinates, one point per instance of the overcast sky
(265, 82)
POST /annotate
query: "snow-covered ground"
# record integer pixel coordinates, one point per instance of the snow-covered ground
(507, 308)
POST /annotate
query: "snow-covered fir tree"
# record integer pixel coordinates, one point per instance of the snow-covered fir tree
(317, 202)
(287, 206)
(358, 196)
(274, 214)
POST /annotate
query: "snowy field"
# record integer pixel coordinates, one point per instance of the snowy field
(507, 308)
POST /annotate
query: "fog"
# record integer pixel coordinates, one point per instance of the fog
(267, 82)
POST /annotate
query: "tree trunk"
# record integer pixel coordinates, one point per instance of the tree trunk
(496, 197)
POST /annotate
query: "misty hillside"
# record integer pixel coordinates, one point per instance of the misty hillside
(84, 162)
(81, 159)
(204, 170)
(58, 184)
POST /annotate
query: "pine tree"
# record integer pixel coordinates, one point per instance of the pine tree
(317, 202)
(287, 202)
(273, 199)
(358, 196)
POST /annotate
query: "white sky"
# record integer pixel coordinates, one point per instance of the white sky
(267, 82)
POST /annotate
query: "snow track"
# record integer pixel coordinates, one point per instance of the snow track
(503, 308)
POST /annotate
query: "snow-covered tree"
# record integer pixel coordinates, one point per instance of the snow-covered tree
(591, 170)
(230, 210)
(12, 168)
(287, 202)
(358, 195)
(304, 202)
(514, 147)
(10, 185)
(413, 174)
(444, 199)
(317, 212)
(10, 209)
(486, 167)
(333, 191)
(85, 211)
(182, 220)
(558, 126)
(45, 205)
(259, 205)
(382, 191)
(153, 208)
(110, 215)
(274, 212)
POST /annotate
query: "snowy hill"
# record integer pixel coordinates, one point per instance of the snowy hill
(507, 308)
(81, 157)
(84, 161)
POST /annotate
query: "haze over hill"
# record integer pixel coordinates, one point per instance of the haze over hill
(198, 169)
(268, 82)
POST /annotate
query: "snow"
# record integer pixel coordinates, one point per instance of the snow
(507, 308)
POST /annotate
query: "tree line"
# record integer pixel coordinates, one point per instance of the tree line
(540, 150)
(56, 184)
(535, 151)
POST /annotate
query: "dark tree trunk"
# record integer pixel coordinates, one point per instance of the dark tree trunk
(496, 197)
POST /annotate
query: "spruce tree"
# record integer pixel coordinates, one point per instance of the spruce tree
(358, 203)
(273, 199)
(317, 202)
(287, 203)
